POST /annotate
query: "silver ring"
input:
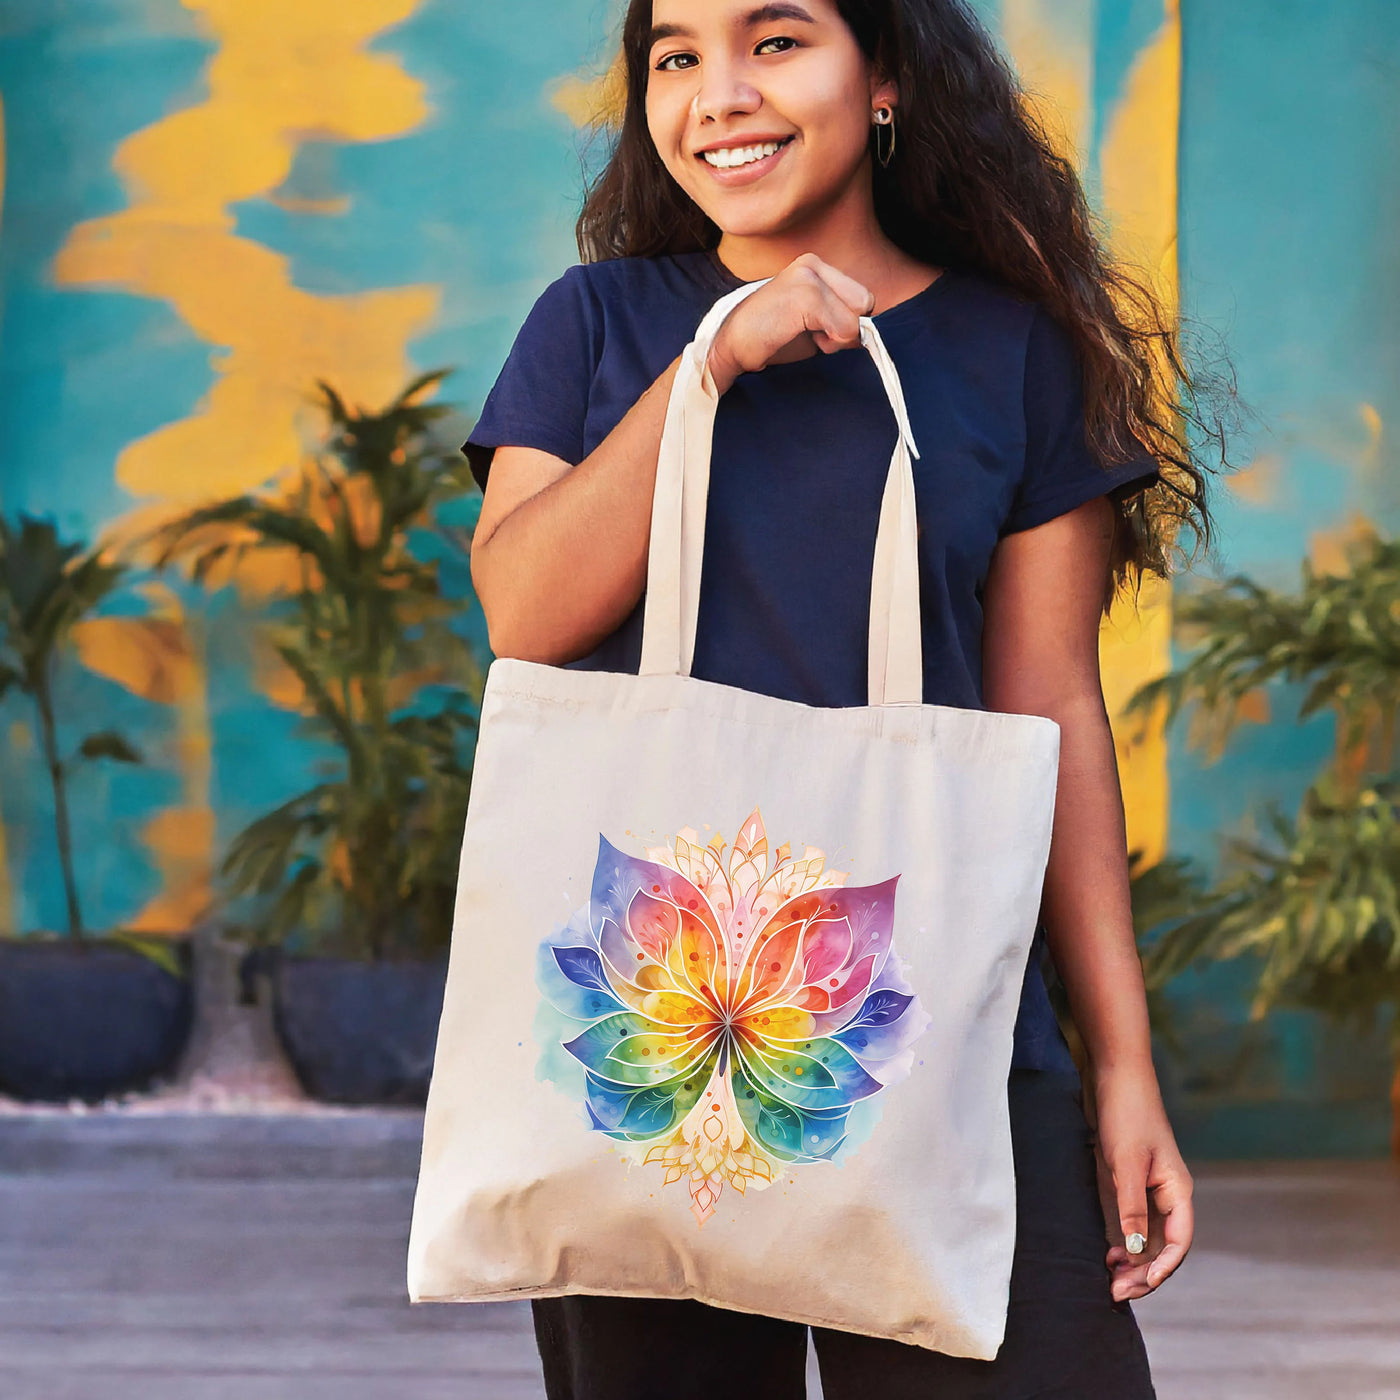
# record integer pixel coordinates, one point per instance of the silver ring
(1136, 1243)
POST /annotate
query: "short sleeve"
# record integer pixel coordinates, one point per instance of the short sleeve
(540, 397)
(1061, 470)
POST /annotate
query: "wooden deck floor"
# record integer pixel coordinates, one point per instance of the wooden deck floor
(261, 1258)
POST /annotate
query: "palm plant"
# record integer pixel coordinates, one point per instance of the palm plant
(365, 860)
(47, 586)
(1316, 901)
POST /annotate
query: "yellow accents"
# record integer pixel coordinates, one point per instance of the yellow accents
(1327, 548)
(149, 656)
(1138, 167)
(1257, 484)
(282, 76)
(1052, 45)
(180, 839)
(1371, 417)
(1052, 42)
(585, 100)
(1372, 460)
(1134, 646)
(156, 657)
(1138, 163)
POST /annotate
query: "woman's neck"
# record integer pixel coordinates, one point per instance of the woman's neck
(850, 239)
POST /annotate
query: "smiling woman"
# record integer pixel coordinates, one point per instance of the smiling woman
(866, 163)
(811, 120)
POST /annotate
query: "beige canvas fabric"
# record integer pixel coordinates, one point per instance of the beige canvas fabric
(733, 979)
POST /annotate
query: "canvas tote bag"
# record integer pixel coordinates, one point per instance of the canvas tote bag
(732, 981)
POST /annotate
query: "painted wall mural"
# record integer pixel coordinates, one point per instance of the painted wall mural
(210, 204)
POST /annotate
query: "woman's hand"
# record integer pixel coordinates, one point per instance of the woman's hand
(808, 307)
(1143, 1182)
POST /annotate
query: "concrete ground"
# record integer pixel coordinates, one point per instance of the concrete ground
(260, 1257)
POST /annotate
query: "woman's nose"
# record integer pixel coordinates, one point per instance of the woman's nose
(723, 93)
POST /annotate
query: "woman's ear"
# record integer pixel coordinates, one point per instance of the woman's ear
(884, 92)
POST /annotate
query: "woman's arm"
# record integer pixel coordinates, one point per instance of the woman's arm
(560, 552)
(1042, 608)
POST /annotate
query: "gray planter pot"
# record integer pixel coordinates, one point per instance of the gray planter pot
(359, 1032)
(87, 1021)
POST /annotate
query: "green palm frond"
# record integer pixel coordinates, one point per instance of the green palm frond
(47, 586)
(1340, 633)
(1313, 900)
(1317, 904)
(365, 861)
(259, 523)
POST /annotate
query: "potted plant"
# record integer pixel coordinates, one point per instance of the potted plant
(1315, 901)
(347, 887)
(80, 1017)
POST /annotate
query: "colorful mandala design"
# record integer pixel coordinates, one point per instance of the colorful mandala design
(729, 1007)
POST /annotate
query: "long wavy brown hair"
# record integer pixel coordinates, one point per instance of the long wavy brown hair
(975, 183)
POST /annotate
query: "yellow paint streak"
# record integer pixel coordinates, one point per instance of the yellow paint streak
(1257, 484)
(587, 100)
(282, 75)
(1138, 163)
(1134, 644)
(1052, 45)
(1138, 168)
(149, 656)
(181, 838)
(1374, 425)
(1329, 553)
(157, 657)
(1328, 548)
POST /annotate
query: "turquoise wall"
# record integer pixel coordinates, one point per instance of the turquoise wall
(414, 182)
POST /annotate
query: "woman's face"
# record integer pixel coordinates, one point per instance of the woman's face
(761, 112)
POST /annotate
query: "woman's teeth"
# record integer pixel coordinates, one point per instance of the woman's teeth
(730, 156)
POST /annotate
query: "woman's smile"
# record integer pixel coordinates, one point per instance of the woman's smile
(742, 165)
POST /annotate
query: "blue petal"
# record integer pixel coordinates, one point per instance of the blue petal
(880, 1008)
(589, 1001)
(583, 967)
(641, 1114)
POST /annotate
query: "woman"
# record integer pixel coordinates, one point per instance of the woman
(872, 157)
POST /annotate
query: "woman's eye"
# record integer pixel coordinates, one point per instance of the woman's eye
(675, 62)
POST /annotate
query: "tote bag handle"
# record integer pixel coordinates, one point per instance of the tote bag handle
(895, 670)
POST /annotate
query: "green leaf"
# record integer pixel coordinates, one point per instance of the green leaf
(159, 950)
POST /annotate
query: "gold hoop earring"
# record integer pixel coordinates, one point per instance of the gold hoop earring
(884, 118)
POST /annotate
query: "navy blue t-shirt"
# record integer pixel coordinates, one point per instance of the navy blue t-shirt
(798, 469)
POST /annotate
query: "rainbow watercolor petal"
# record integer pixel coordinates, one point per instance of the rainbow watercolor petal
(729, 1006)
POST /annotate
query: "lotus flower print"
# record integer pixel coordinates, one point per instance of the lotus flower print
(729, 1007)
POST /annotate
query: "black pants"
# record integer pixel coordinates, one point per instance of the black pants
(1066, 1339)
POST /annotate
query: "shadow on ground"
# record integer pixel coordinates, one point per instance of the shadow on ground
(261, 1257)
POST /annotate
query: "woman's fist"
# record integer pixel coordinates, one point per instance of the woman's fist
(809, 307)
